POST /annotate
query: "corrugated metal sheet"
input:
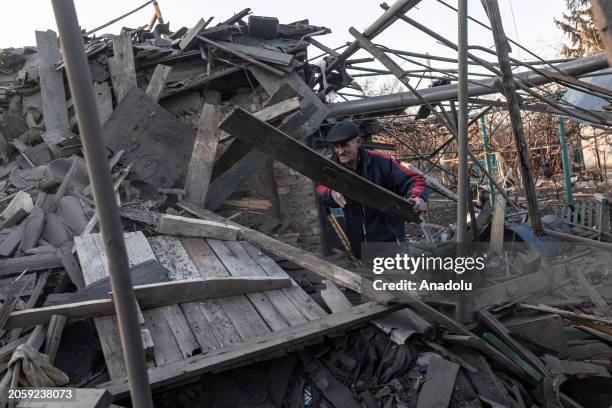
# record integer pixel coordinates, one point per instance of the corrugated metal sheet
(590, 102)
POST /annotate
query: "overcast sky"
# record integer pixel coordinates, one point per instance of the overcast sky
(529, 21)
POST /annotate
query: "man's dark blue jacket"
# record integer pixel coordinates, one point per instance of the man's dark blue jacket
(365, 224)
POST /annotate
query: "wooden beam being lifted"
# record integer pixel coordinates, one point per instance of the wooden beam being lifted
(311, 164)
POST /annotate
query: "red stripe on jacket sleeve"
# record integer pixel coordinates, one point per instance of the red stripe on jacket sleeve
(321, 189)
(419, 182)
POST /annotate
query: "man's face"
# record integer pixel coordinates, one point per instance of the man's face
(348, 152)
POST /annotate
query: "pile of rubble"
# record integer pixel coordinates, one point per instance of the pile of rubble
(181, 175)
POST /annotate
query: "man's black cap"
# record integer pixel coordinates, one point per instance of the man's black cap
(343, 131)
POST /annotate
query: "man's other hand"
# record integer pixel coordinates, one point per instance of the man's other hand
(418, 204)
(338, 198)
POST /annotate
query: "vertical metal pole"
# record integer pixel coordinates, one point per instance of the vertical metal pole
(462, 141)
(567, 170)
(489, 157)
(79, 78)
(462, 144)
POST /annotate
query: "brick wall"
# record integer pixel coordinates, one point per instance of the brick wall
(298, 207)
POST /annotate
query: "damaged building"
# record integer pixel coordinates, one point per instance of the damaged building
(244, 289)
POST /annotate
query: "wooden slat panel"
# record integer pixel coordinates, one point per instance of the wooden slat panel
(304, 303)
(93, 263)
(171, 254)
(234, 318)
(239, 263)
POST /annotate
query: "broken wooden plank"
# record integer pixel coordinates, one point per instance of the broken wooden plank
(498, 224)
(158, 81)
(10, 302)
(260, 53)
(53, 95)
(242, 56)
(19, 207)
(14, 266)
(33, 299)
(504, 334)
(313, 165)
(121, 65)
(216, 360)
(190, 37)
(33, 229)
(439, 383)
(199, 172)
(63, 187)
(104, 101)
(11, 242)
(152, 296)
(189, 227)
(591, 292)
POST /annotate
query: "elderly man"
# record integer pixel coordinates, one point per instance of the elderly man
(365, 224)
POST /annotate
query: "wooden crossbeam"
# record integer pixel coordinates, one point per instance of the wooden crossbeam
(152, 296)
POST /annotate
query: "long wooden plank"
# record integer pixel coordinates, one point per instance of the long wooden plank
(158, 81)
(15, 266)
(241, 55)
(282, 339)
(189, 227)
(122, 68)
(199, 172)
(190, 36)
(152, 296)
(498, 224)
(260, 53)
(52, 91)
(313, 165)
